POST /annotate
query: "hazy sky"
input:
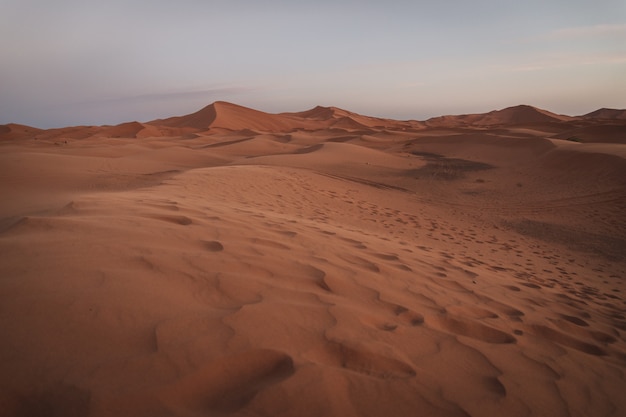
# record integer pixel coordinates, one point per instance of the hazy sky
(70, 62)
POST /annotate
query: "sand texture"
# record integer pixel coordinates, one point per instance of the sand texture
(322, 263)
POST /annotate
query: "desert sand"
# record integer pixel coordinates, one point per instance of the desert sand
(323, 263)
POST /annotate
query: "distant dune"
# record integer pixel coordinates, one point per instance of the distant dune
(232, 262)
(607, 114)
(15, 131)
(227, 117)
(517, 115)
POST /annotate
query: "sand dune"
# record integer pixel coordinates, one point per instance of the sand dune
(318, 263)
(231, 117)
(222, 116)
(16, 131)
(516, 115)
(335, 116)
(129, 130)
(605, 113)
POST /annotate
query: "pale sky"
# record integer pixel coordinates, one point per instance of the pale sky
(87, 62)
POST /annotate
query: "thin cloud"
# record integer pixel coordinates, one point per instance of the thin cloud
(585, 31)
(569, 61)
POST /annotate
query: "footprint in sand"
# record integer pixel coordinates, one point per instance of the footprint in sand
(213, 245)
(472, 311)
(450, 285)
(386, 256)
(405, 315)
(576, 320)
(287, 233)
(318, 276)
(360, 262)
(359, 360)
(394, 260)
(181, 220)
(563, 339)
(472, 329)
(388, 327)
(269, 243)
(500, 307)
(356, 243)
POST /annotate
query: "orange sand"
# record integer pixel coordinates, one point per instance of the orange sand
(322, 263)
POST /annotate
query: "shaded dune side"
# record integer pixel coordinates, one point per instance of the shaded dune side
(604, 133)
(520, 115)
(130, 130)
(604, 113)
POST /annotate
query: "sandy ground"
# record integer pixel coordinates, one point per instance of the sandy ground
(321, 263)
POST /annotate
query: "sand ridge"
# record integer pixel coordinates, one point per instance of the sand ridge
(313, 272)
